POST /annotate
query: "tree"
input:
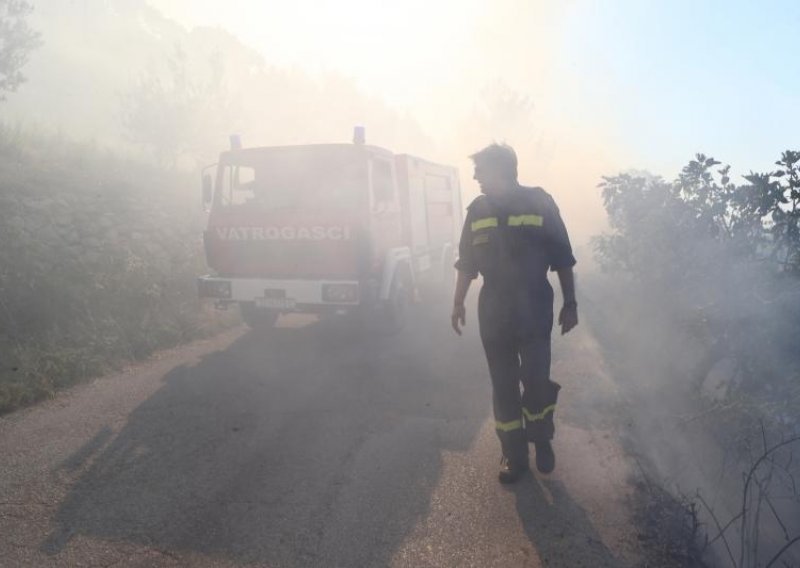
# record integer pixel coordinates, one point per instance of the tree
(503, 113)
(17, 40)
(178, 111)
(775, 197)
(705, 289)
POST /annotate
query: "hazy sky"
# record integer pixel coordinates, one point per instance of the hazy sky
(652, 81)
(615, 84)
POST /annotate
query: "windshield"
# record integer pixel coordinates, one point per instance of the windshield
(299, 178)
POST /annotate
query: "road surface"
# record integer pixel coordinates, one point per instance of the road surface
(313, 448)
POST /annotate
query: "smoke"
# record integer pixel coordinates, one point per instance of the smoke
(308, 74)
(697, 319)
(441, 80)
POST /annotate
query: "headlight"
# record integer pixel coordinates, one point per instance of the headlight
(340, 293)
(215, 289)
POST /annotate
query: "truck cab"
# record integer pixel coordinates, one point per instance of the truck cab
(325, 228)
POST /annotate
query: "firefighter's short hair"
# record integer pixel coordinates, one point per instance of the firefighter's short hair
(500, 156)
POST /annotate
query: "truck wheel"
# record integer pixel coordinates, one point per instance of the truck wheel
(398, 304)
(258, 319)
(440, 285)
(448, 283)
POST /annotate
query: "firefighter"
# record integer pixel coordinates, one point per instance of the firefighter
(511, 236)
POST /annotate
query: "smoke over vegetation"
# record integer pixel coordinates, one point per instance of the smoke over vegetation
(111, 108)
(699, 313)
(170, 92)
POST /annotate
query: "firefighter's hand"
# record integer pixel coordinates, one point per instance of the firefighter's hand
(568, 317)
(458, 318)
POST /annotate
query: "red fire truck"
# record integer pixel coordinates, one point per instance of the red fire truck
(328, 228)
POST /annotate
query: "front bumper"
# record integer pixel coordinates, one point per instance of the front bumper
(283, 295)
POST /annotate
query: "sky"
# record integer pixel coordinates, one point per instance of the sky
(615, 85)
(649, 82)
(685, 76)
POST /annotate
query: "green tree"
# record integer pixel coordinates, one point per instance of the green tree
(17, 40)
(653, 220)
(712, 254)
(775, 198)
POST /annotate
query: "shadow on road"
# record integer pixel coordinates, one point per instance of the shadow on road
(308, 448)
(559, 528)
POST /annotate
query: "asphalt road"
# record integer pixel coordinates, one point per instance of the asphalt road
(313, 447)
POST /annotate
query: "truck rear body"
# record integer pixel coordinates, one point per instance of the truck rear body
(322, 227)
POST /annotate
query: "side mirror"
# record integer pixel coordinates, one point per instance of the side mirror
(207, 189)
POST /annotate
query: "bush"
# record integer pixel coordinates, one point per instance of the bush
(720, 263)
(700, 312)
(98, 263)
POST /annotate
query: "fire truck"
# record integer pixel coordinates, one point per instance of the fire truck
(328, 229)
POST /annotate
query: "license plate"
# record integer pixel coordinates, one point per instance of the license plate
(276, 303)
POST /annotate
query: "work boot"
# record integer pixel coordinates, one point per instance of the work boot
(545, 456)
(511, 472)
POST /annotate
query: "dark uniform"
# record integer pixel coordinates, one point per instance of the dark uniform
(511, 239)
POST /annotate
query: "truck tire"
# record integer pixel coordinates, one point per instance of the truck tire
(437, 293)
(258, 319)
(397, 306)
(448, 275)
